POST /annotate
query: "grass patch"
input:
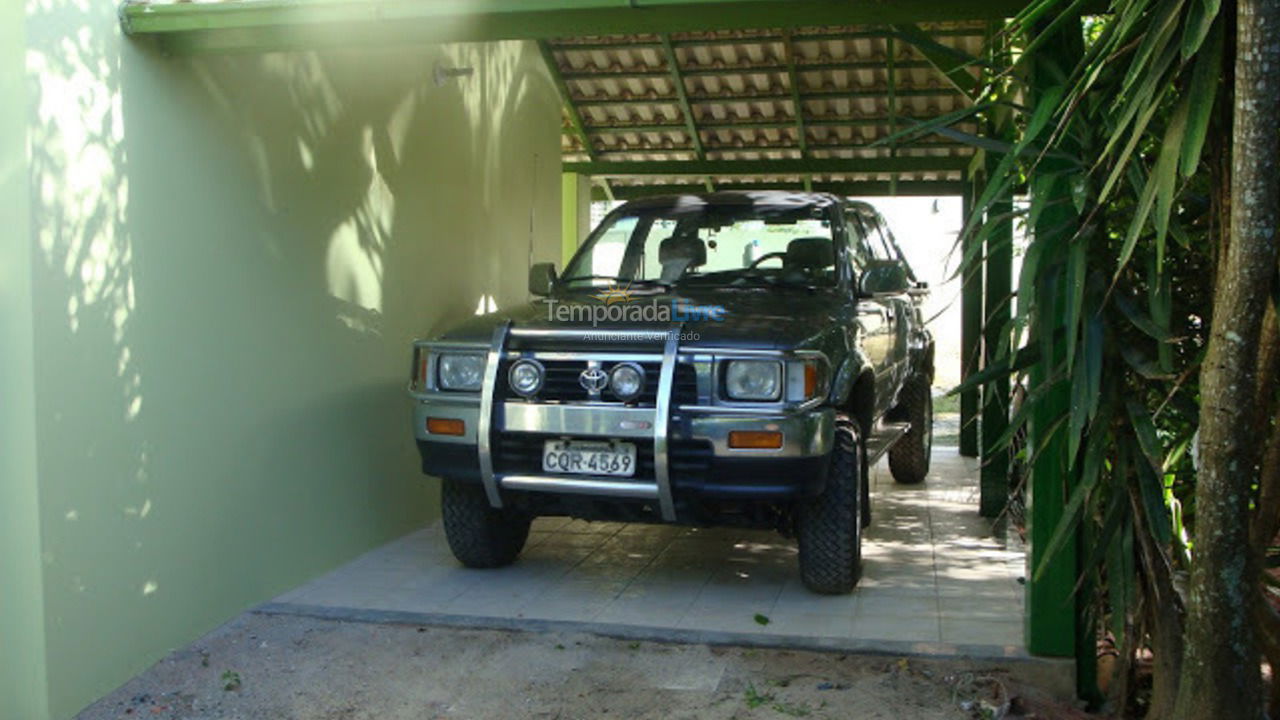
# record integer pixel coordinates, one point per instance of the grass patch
(946, 404)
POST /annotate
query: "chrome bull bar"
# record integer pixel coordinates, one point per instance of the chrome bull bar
(630, 423)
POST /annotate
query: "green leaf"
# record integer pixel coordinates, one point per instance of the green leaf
(1111, 522)
(1046, 108)
(1007, 365)
(1140, 215)
(1094, 339)
(1202, 93)
(1141, 364)
(1145, 430)
(1141, 320)
(1075, 287)
(1074, 508)
(928, 126)
(1152, 494)
(1165, 173)
(1200, 18)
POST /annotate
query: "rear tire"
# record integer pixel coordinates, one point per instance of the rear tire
(480, 536)
(829, 527)
(909, 457)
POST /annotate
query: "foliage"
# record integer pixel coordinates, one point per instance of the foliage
(1124, 153)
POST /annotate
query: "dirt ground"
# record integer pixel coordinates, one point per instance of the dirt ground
(276, 667)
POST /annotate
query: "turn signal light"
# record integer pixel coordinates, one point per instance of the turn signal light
(446, 426)
(755, 440)
(810, 379)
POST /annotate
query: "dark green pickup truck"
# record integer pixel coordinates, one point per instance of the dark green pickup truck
(721, 359)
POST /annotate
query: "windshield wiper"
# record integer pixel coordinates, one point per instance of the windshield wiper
(625, 282)
(614, 278)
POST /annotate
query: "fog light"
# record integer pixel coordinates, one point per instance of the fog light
(446, 426)
(755, 440)
(626, 381)
(526, 377)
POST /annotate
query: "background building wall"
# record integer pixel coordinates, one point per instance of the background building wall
(229, 256)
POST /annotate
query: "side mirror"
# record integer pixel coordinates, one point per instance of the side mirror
(884, 277)
(542, 277)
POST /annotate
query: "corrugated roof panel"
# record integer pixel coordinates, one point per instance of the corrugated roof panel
(739, 92)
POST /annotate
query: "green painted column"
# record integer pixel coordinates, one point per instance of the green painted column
(997, 299)
(24, 679)
(575, 213)
(970, 337)
(1052, 607)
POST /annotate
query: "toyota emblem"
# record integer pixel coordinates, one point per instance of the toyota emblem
(593, 379)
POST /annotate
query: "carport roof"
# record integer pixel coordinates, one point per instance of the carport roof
(822, 107)
(669, 95)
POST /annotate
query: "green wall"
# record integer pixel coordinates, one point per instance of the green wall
(228, 259)
(23, 683)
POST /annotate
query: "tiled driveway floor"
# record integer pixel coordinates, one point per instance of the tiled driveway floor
(935, 579)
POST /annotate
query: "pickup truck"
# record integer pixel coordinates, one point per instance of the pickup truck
(728, 359)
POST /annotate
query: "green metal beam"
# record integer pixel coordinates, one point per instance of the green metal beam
(275, 24)
(736, 70)
(1054, 607)
(617, 150)
(691, 127)
(746, 97)
(970, 332)
(797, 103)
(891, 78)
(826, 36)
(575, 119)
(952, 63)
(769, 167)
(764, 124)
(931, 188)
(996, 311)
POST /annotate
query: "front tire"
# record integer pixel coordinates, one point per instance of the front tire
(829, 527)
(480, 536)
(909, 457)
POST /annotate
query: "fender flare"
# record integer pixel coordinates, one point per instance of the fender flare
(854, 366)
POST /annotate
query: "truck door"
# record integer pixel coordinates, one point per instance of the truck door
(897, 309)
(874, 315)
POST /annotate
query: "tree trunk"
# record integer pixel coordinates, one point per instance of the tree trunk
(1164, 613)
(1220, 672)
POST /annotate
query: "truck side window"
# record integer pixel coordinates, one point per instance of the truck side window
(859, 253)
(880, 247)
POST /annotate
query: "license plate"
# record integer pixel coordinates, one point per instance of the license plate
(575, 457)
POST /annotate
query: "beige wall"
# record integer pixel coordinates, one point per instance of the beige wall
(229, 257)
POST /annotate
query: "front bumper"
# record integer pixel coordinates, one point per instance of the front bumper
(682, 447)
(700, 460)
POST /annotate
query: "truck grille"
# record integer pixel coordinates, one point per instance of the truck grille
(562, 384)
(521, 454)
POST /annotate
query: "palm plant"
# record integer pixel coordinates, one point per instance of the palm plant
(1133, 248)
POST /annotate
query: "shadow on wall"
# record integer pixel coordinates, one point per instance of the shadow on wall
(233, 255)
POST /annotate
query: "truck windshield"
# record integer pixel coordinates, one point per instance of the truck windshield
(694, 243)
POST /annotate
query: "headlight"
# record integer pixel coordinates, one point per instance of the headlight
(461, 372)
(753, 379)
(626, 381)
(526, 377)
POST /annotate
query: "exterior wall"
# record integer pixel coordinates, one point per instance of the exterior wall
(23, 687)
(229, 256)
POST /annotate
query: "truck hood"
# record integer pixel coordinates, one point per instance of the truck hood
(760, 318)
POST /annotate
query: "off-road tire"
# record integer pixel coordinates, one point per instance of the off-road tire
(479, 535)
(909, 457)
(829, 526)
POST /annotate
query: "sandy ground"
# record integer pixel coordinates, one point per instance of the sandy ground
(261, 667)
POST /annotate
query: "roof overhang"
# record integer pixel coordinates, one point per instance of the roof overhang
(233, 25)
